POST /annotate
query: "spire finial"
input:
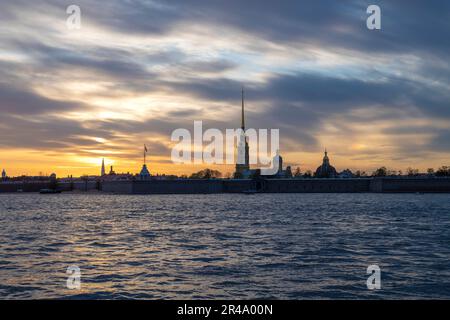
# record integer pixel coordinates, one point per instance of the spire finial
(325, 157)
(102, 172)
(242, 115)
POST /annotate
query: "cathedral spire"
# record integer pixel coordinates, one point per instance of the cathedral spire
(242, 163)
(242, 115)
(103, 167)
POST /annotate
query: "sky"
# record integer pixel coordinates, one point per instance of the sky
(137, 70)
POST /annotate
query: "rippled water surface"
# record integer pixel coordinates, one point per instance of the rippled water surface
(285, 246)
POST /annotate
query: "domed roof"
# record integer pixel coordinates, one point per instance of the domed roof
(326, 170)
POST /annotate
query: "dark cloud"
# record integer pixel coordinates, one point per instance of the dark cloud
(297, 102)
(301, 103)
(46, 133)
(105, 61)
(412, 26)
(27, 103)
(420, 26)
(440, 142)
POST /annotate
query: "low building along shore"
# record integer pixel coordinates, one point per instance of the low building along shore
(258, 185)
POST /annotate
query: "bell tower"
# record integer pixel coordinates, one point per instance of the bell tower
(242, 163)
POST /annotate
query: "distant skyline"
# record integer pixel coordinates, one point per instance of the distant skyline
(137, 70)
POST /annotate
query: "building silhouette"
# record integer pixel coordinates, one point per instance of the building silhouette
(144, 174)
(280, 174)
(326, 170)
(102, 173)
(242, 163)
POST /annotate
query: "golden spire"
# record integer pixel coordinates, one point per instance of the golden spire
(242, 116)
(102, 172)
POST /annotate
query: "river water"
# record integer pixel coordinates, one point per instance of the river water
(280, 246)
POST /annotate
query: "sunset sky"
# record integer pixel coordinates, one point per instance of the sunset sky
(137, 70)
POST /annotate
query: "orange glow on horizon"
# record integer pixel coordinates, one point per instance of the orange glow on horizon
(18, 162)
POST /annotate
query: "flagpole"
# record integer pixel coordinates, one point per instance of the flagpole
(144, 154)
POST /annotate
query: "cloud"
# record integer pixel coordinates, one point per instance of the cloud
(416, 26)
(139, 69)
(27, 103)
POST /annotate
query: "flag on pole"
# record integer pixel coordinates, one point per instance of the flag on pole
(145, 151)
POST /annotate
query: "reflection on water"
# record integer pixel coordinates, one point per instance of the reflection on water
(287, 246)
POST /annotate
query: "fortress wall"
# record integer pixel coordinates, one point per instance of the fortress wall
(317, 185)
(78, 186)
(10, 187)
(376, 185)
(37, 186)
(64, 186)
(411, 185)
(25, 187)
(192, 186)
(238, 185)
(125, 187)
(185, 186)
(84, 186)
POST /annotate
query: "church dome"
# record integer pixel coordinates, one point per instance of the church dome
(326, 170)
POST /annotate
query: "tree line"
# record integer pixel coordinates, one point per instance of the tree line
(443, 171)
